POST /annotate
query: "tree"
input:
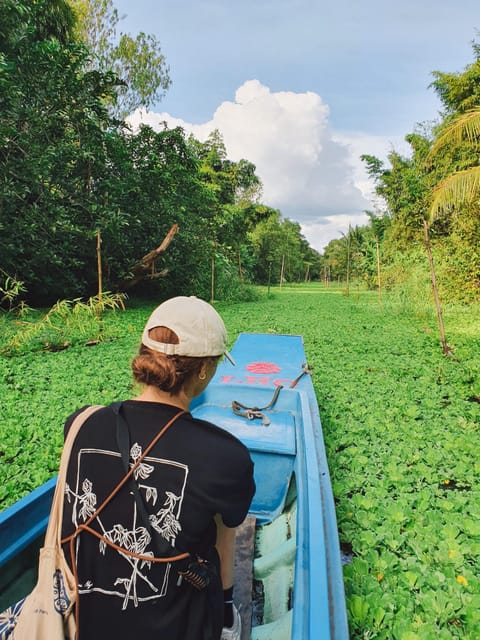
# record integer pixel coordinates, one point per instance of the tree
(460, 186)
(457, 195)
(404, 189)
(265, 239)
(235, 188)
(281, 252)
(232, 182)
(137, 61)
(438, 183)
(70, 175)
(346, 257)
(151, 183)
(51, 147)
(460, 92)
(372, 253)
(68, 170)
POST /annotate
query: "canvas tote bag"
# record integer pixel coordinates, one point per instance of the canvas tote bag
(47, 613)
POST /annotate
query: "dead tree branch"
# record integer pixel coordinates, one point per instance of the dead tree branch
(145, 268)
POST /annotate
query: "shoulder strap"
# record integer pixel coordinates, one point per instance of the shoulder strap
(54, 527)
(123, 443)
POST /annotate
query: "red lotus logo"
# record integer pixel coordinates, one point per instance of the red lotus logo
(263, 367)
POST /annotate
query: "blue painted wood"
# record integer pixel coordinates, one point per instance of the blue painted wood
(273, 456)
(26, 520)
(272, 447)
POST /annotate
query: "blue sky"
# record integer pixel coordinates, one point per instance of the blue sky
(302, 88)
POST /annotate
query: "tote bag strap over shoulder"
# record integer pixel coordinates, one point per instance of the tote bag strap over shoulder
(47, 612)
(54, 528)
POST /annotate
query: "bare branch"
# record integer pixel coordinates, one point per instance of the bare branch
(145, 268)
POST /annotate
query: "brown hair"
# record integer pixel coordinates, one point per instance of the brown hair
(167, 372)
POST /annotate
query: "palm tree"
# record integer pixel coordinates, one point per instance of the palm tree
(461, 186)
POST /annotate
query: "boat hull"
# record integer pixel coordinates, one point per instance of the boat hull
(290, 459)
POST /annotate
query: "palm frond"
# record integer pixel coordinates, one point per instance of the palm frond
(459, 188)
(466, 125)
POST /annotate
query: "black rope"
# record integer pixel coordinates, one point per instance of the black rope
(257, 412)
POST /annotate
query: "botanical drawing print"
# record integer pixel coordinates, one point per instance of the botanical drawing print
(61, 601)
(119, 574)
(87, 499)
(135, 540)
(8, 619)
(165, 521)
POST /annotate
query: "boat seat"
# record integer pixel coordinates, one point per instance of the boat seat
(272, 449)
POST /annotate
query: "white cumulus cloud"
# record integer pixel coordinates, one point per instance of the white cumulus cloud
(309, 172)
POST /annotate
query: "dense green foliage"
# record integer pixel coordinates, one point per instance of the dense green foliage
(401, 428)
(69, 169)
(437, 182)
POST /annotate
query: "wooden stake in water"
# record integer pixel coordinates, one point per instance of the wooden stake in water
(212, 279)
(379, 275)
(100, 282)
(347, 291)
(99, 266)
(446, 348)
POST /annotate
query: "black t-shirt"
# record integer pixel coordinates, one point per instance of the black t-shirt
(195, 471)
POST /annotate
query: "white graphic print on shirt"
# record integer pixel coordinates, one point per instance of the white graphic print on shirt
(160, 477)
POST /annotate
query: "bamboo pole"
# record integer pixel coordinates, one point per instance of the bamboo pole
(379, 274)
(99, 266)
(212, 279)
(240, 271)
(100, 283)
(347, 291)
(445, 347)
(282, 270)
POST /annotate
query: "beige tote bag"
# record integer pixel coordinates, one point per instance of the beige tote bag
(48, 611)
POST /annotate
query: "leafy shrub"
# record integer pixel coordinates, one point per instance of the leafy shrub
(67, 322)
(228, 285)
(409, 282)
(10, 291)
(458, 269)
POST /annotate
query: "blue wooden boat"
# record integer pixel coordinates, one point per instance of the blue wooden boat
(296, 584)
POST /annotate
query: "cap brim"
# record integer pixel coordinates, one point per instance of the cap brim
(229, 358)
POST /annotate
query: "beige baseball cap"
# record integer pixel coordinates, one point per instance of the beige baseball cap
(200, 329)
